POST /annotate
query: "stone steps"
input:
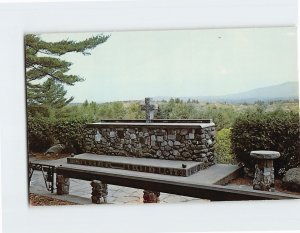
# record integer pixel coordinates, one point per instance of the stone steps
(158, 166)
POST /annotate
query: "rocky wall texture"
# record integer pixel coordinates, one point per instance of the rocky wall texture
(161, 143)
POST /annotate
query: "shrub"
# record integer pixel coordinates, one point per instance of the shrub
(39, 135)
(70, 132)
(223, 148)
(45, 132)
(278, 131)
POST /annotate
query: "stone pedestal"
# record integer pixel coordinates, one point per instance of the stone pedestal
(264, 170)
(62, 185)
(99, 190)
(151, 196)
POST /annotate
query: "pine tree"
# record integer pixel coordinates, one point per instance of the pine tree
(47, 99)
(85, 103)
(43, 61)
(50, 94)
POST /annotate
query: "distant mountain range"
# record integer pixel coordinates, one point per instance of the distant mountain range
(285, 91)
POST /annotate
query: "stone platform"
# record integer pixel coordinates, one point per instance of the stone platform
(164, 167)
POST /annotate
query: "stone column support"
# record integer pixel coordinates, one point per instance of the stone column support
(151, 196)
(264, 171)
(62, 185)
(99, 190)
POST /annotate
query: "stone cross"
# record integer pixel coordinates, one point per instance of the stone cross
(149, 108)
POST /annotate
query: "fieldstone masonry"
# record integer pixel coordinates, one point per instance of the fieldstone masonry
(151, 196)
(182, 141)
(99, 190)
(62, 185)
(264, 171)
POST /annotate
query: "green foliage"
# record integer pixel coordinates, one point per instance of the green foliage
(45, 132)
(133, 111)
(47, 96)
(38, 111)
(39, 134)
(222, 115)
(177, 109)
(223, 148)
(52, 65)
(277, 130)
(43, 61)
(70, 132)
(50, 124)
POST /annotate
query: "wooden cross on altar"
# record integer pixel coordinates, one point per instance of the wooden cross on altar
(149, 108)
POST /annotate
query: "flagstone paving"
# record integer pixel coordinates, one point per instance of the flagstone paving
(80, 192)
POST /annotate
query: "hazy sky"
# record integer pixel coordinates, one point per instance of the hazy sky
(138, 64)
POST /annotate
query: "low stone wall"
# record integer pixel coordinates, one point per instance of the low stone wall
(184, 141)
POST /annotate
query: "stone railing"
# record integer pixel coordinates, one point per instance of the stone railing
(162, 139)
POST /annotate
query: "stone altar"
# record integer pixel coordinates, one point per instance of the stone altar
(162, 139)
(168, 147)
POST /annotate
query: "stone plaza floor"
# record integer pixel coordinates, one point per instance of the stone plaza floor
(80, 192)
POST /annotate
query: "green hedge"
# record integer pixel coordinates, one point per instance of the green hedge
(223, 148)
(278, 131)
(45, 132)
(39, 134)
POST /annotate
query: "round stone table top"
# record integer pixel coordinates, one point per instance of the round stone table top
(264, 154)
